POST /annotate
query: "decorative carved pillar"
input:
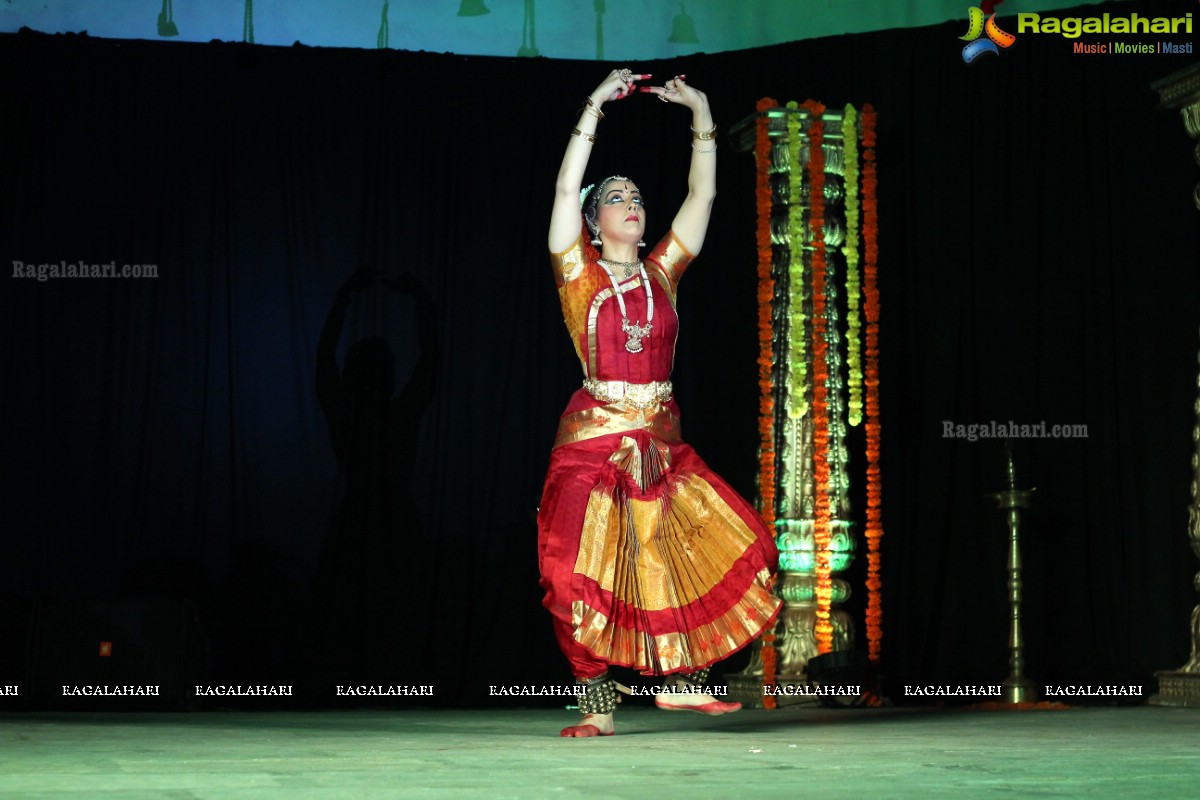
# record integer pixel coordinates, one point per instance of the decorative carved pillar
(1181, 687)
(793, 240)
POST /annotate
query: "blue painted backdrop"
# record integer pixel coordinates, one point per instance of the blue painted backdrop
(574, 29)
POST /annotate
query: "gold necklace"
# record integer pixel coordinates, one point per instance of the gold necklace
(627, 267)
(634, 330)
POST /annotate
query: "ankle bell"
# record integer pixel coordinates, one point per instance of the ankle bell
(599, 696)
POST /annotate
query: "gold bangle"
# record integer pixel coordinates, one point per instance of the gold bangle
(595, 109)
(698, 150)
(705, 136)
(582, 135)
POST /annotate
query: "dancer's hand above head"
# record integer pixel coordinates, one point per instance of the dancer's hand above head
(617, 86)
(678, 91)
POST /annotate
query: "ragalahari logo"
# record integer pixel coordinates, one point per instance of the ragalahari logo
(995, 40)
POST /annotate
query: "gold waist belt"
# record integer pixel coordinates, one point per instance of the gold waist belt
(635, 395)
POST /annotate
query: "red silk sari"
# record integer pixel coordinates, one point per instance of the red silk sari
(648, 558)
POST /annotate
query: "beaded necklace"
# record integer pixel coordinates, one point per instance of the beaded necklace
(635, 331)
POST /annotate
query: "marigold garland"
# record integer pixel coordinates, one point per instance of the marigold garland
(854, 376)
(766, 407)
(822, 522)
(874, 526)
(797, 363)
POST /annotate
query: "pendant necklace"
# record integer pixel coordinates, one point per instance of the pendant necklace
(634, 331)
(627, 267)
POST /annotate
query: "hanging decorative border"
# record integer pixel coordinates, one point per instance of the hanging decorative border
(874, 527)
(766, 405)
(822, 527)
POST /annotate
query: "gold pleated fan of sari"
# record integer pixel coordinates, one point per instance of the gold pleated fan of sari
(658, 561)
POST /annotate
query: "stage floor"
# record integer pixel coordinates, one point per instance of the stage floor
(1083, 752)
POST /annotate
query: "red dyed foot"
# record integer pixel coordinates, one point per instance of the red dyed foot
(593, 725)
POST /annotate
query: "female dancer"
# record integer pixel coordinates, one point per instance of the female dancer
(649, 560)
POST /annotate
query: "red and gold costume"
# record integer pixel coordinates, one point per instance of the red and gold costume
(648, 558)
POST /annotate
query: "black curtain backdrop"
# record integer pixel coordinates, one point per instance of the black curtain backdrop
(165, 437)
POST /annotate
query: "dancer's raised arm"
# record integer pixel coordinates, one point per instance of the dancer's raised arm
(691, 222)
(564, 219)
